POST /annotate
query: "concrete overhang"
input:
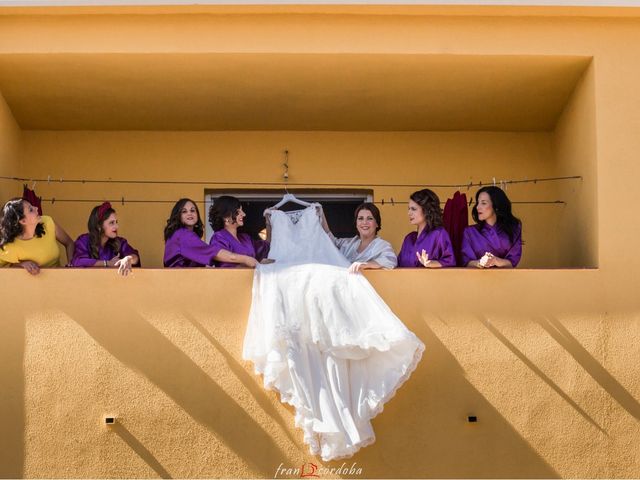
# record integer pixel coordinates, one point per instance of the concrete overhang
(263, 91)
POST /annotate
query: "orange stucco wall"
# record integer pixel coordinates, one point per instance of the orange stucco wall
(551, 378)
(547, 359)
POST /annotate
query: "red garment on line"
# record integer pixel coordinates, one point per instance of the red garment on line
(31, 197)
(456, 219)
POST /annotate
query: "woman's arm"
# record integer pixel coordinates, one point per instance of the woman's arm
(229, 257)
(357, 267)
(65, 239)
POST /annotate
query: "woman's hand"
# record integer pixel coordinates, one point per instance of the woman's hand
(250, 261)
(357, 267)
(124, 265)
(31, 267)
(113, 261)
(423, 258)
(494, 261)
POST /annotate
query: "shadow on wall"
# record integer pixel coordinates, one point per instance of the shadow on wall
(431, 411)
(248, 380)
(600, 374)
(119, 332)
(140, 450)
(544, 377)
(12, 414)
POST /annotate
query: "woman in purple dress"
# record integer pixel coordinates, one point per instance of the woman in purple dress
(429, 246)
(102, 247)
(184, 246)
(496, 238)
(237, 249)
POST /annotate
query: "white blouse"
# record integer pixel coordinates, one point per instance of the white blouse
(379, 251)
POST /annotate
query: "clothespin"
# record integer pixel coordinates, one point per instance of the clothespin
(494, 181)
(53, 200)
(392, 202)
(48, 178)
(33, 185)
(122, 200)
(470, 200)
(61, 180)
(469, 186)
(382, 201)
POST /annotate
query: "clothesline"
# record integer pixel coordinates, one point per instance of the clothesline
(460, 185)
(124, 201)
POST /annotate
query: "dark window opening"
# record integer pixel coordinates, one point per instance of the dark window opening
(338, 205)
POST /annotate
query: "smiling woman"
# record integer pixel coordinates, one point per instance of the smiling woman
(183, 238)
(366, 250)
(236, 249)
(102, 247)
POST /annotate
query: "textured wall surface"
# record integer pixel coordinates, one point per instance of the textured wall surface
(552, 378)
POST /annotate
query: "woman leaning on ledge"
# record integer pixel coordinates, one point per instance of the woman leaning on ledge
(29, 240)
(101, 246)
(366, 250)
(496, 238)
(429, 246)
(236, 249)
(184, 246)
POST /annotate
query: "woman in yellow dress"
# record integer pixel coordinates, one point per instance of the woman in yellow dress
(29, 240)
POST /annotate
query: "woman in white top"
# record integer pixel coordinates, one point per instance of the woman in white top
(366, 250)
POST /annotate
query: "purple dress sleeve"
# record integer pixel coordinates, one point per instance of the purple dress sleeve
(406, 257)
(514, 254)
(185, 249)
(479, 240)
(443, 249)
(468, 253)
(127, 249)
(81, 253)
(261, 248)
(243, 245)
(436, 243)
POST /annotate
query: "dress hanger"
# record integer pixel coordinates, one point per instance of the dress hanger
(290, 197)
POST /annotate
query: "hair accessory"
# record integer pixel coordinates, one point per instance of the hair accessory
(103, 209)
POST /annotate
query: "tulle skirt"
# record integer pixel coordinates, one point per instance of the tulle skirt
(332, 348)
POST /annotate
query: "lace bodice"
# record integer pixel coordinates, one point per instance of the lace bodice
(298, 237)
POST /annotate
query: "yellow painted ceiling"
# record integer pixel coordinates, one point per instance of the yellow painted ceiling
(373, 92)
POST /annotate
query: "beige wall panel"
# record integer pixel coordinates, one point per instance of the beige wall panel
(575, 150)
(10, 142)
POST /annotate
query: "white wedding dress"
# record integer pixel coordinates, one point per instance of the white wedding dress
(323, 338)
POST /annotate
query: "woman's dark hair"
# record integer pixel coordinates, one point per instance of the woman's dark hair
(97, 217)
(174, 223)
(502, 206)
(10, 227)
(430, 204)
(223, 207)
(374, 211)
